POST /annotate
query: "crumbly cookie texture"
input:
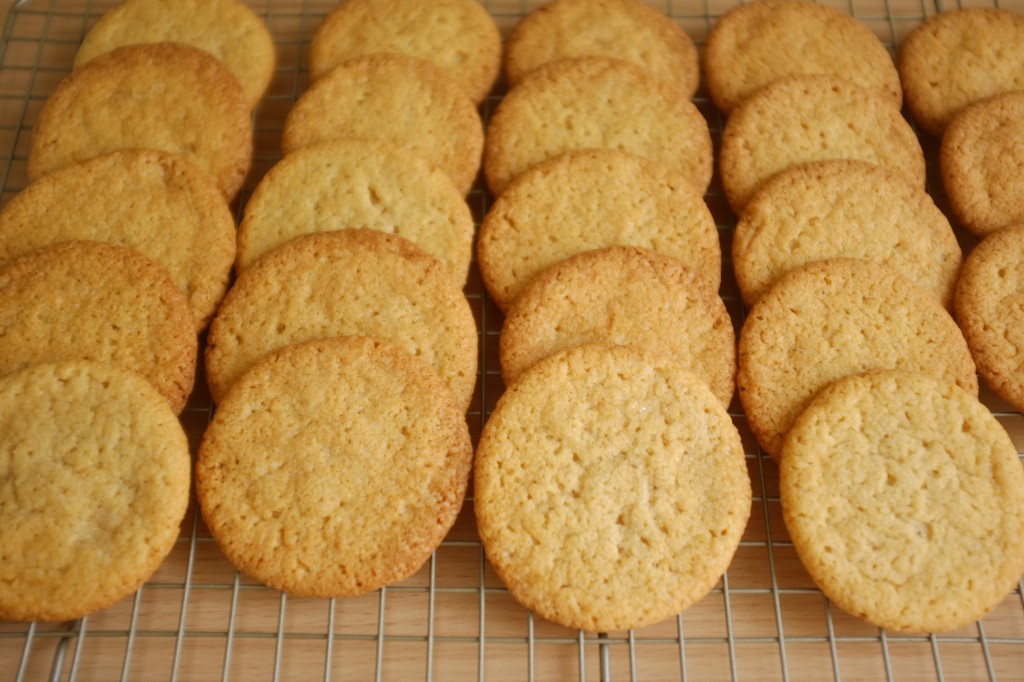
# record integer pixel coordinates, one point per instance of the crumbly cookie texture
(334, 467)
(96, 482)
(990, 308)
(904, 498)
(610, 489)
(832, 318)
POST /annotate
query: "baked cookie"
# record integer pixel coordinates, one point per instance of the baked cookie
(852, 209)
(989, 305)
(404, 101)
(957, 58)
(981, 155)
(813, 118)
(94, 301)
(346, 183)
(165, 96)
(623, 29)
(350, 477)
(460, 36)
(340, 283)
(590, 199)
(157, 203)
(610, 488)
(831, 318)
(227, 29)
(905, 501)
(757, 43)
(595, 102)
(97, 473)
(626, 296)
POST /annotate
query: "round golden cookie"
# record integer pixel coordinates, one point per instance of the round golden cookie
(813, 118)
(595, 102)
(347, 480)
(624, 29)
(165, 96)
(94, 301)
(610, 488)
(957, 58)
(346, 183)
(404, 101)
(340, 283)
(590, 199)
(159, 204)
(904, 498)
(989, 305)
(96, 482)
(981, 155)
(852, 209)
(757, 43)
(227, 29)
(626, 296)
(831, 318)
(460, 36)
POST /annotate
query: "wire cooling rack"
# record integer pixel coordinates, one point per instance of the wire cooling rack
(198, 619)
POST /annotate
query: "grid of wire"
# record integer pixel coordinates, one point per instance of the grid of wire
(198, 619)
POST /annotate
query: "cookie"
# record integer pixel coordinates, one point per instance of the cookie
(165, 96)
(595, 102)
(852, 209)
(980, 158)
(350, 477)
(610, 489)
(358, 183)
(93, 301)
(959, 57)
(755, 44)
(626, 296)
(832, 318)
(346, 282)
(590, 199)
(404, 101)
(623, 29)
(97, 473)
(904, 497)
(989, 305)
(460, 36)
(157, 203)
(227, 29)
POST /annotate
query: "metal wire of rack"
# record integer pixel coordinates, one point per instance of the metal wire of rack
(198, 619)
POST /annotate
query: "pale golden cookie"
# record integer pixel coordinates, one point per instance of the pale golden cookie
(227, 29)
(832, 318)
(346, 282)
(347, 480)
(989, 305)
(93, 301)
(460, 36)
(347, 183)
(626, 296)
(96, 483)
(157, 203)
(813, 118)
(165, 96)
(757, 43)
(957, 58)
(852, 209)
(623, 29)
(404, 101)
(611, 489)
(905, 501)
(981, 157)
(590, 199)
(595, 102)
